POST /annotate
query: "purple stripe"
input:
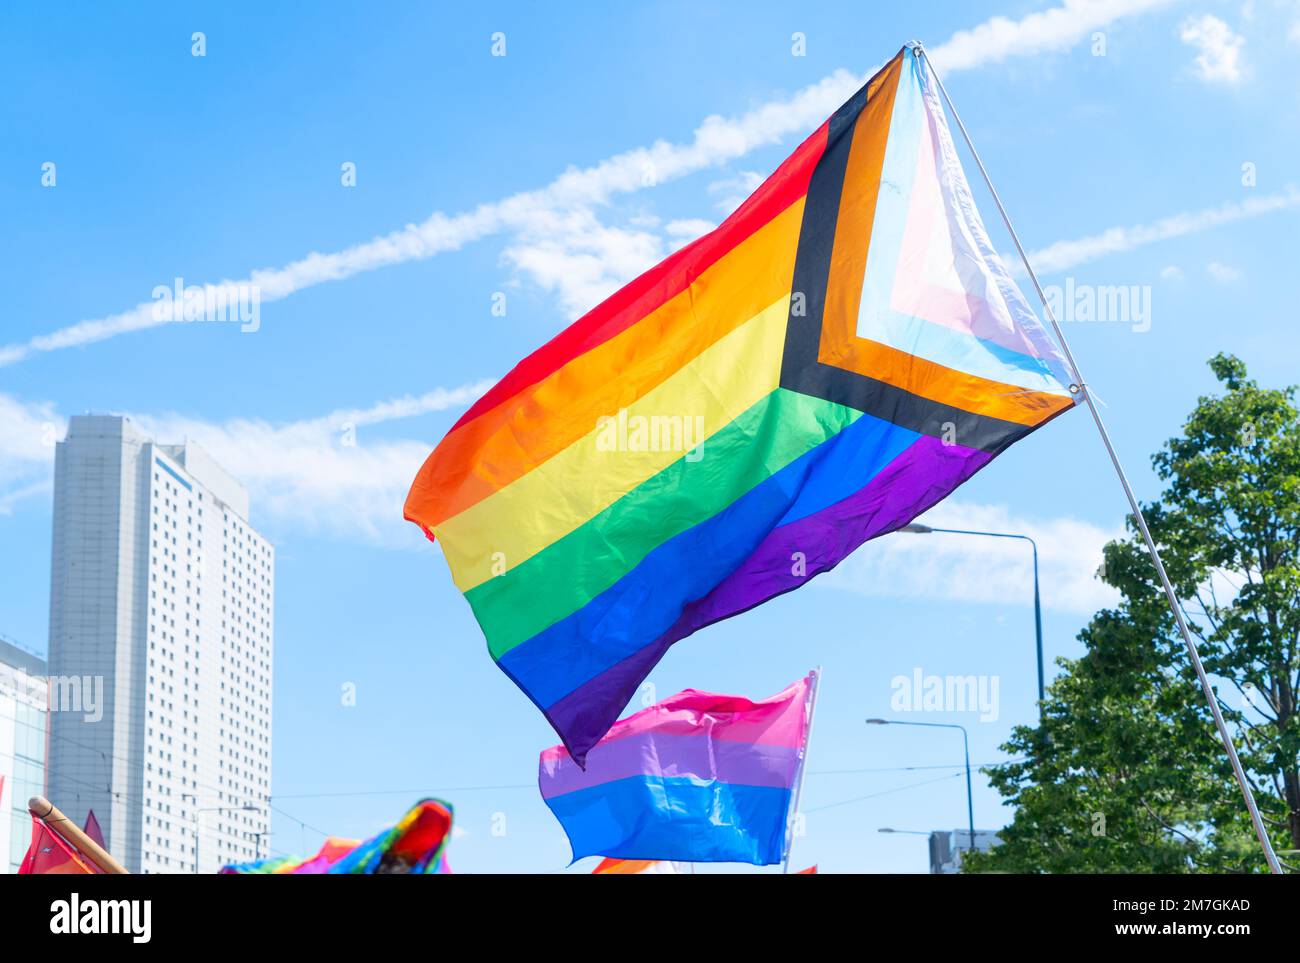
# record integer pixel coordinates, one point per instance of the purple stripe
(923, 475)
(657, 755)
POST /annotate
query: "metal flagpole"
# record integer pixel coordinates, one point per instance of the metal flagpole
(1082, 386)
(803, 765)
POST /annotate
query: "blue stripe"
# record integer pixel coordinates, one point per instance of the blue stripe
(640, 607)
(171, 471)
(848, 462)
(960, 350)
(650, 817)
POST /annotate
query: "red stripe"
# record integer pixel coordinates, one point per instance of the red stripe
(663, 281)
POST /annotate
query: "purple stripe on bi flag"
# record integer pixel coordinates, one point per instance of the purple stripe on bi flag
(698, 777)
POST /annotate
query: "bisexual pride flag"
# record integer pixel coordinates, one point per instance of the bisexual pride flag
(836, 357)
(697, 778)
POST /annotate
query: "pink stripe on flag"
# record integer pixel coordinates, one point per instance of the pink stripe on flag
(778, 721)
(666, 756)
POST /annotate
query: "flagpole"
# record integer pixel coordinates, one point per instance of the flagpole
(803, 765)
(1081, 386)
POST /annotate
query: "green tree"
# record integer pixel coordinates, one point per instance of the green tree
(1125, 772)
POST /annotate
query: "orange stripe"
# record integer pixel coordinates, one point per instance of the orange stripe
(948, 386)
(856, 217)
(503, 444)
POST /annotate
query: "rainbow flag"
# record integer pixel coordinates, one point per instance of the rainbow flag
(835, 358)
(330, 852)
(698, 778)
(417, 844)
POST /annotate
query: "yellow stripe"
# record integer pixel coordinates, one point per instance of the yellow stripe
(510, 526)
(504, 444)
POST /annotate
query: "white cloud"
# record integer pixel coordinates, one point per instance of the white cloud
(969, 568)
(301, 475)
(689, 228)
(1223, 273)
(1218, 58)
(28, 431)
(12, 497)
(581, 260)
(732, 191)
(1171, 273)
(1067, 254)
(717, 141)
(1049, 30)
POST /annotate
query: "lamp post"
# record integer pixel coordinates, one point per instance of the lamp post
(917, 529)
(965, 741)
(247, 807)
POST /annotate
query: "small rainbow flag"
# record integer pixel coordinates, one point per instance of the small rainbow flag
(839, 355)
(416, 845)
(697, 778)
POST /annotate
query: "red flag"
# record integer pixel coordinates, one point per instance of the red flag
(92, 829)
(50, 853)
(810, 871)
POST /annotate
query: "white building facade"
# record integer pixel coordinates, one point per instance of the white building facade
(160, 656)
(22, 748)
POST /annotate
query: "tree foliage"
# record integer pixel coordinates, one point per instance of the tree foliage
(1125, 772)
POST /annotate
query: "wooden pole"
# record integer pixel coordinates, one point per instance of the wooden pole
(48, 813)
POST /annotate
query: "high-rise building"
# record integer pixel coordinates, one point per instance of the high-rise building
(161, 629)
(22, 748)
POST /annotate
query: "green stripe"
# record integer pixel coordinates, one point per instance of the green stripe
(571, 571)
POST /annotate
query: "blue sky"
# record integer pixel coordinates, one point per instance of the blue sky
(1135, 142)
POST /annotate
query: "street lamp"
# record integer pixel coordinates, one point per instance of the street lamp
(965, 741)
(247, 808)
(917, 529)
